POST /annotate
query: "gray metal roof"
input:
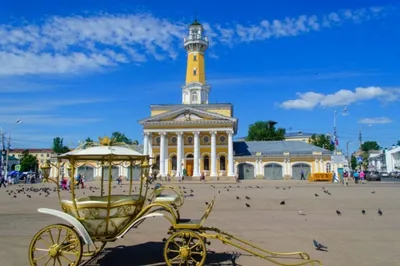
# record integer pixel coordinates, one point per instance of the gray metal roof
(249, 148)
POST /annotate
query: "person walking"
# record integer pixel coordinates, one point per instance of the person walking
(2, 181)
(302, 175)
(362, 176)
(356, 176)
(345, 178)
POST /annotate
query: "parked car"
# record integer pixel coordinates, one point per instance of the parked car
(394, 174)
(373, 176)
(384, 174)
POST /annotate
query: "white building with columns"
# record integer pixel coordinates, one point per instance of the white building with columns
(196, 136)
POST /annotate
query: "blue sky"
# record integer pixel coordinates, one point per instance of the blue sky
(87, 68)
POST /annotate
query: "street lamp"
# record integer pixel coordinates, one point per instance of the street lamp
(46, 170)
(347, 150)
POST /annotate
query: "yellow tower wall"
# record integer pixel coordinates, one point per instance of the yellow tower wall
(195, 60)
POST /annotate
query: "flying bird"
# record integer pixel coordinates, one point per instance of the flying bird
(319, 246)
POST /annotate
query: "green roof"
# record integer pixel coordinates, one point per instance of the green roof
(195, 23)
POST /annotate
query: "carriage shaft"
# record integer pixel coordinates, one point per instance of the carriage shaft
(255, 250)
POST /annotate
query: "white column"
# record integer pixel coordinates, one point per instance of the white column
(213, 154)
(150, 144)
(166, 164)
(162, 153)
(289, 167)
(321, 166)
(146, 144)
(179, 153)
(284, 172)
(316, 166)
(230, 154)
(196, 156)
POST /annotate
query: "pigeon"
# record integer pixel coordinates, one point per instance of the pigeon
(363, 212)
(373, 192)
(301, 213)
(283, 202)
(206, 202)
(237, 198)
(247, 197)
(338, 212)
(319, 246)
(316, 195)
(380, 212)
(247, 205)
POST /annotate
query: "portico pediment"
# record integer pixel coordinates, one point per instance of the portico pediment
(187, 115)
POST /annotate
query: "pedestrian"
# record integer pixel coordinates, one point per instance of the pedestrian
(203, 177)
(362, 176)
(345, 178)
(302, 175)
(356, 176)
(119, 180)
(2, 181)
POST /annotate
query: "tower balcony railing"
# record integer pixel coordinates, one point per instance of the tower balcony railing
(195, 38)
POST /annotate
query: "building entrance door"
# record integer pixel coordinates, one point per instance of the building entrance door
(189, 167)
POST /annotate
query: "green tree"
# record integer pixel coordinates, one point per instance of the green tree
(58, 146)
(28, 162)
(369, 146)
(265, 130)
(398, 143)
(88, 140)
(323, 141)
(122, 138)
(353, 162)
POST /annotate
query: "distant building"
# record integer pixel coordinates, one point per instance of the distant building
(290, 136)
(41, 154)
(280, 159)
(387, 160)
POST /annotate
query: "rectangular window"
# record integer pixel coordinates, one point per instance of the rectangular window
(194, 72)
(194, 57)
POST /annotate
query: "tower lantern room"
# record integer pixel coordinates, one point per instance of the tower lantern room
(195, 90)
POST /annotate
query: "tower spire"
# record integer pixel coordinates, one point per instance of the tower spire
(195, 90)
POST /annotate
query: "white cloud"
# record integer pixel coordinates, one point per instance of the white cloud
(75, 44)
(376, 120)
(310, 100)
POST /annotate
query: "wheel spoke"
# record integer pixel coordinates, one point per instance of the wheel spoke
(59, 261)
(62, 256)
(42, 249)
(42, 257)
(54, 261)
(47, 262)
(47, 243)
(51, 236)
(195, 245)
(59, 235)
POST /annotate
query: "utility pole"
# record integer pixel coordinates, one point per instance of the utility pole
(2, 155)
(360, 138)
(7, 154)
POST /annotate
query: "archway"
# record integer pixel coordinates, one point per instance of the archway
(246, 171)
(87, 172)
(136, 172)
(298, 168)
(189, 164)
(114, 172)
(273, 171)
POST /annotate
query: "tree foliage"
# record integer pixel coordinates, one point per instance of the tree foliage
(89, 140)
(28, 162)
(58, 146)
(323, 141)
(398, 143)
(265, 130)
(121, 137)
(353, 162)
(369, 146)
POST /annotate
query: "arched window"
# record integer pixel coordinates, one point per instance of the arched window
(157, 166)
(206, 163)
(194, 97)
(328, 168)
(222, 164)
(194, 71)
(174, 163)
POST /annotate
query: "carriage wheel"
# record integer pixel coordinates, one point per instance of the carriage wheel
(92, 250)
(56, 244)
(185, 248)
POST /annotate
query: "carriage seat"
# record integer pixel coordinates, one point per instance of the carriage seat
(194, 223)
(93, 212)
(163, 198)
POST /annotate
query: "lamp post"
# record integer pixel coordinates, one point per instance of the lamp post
(336, 141)
(18, 122)
(45, 170)
(347, 150)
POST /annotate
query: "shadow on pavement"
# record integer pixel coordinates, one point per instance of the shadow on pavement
(151, 253)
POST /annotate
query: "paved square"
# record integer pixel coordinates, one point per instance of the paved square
(352, 238)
